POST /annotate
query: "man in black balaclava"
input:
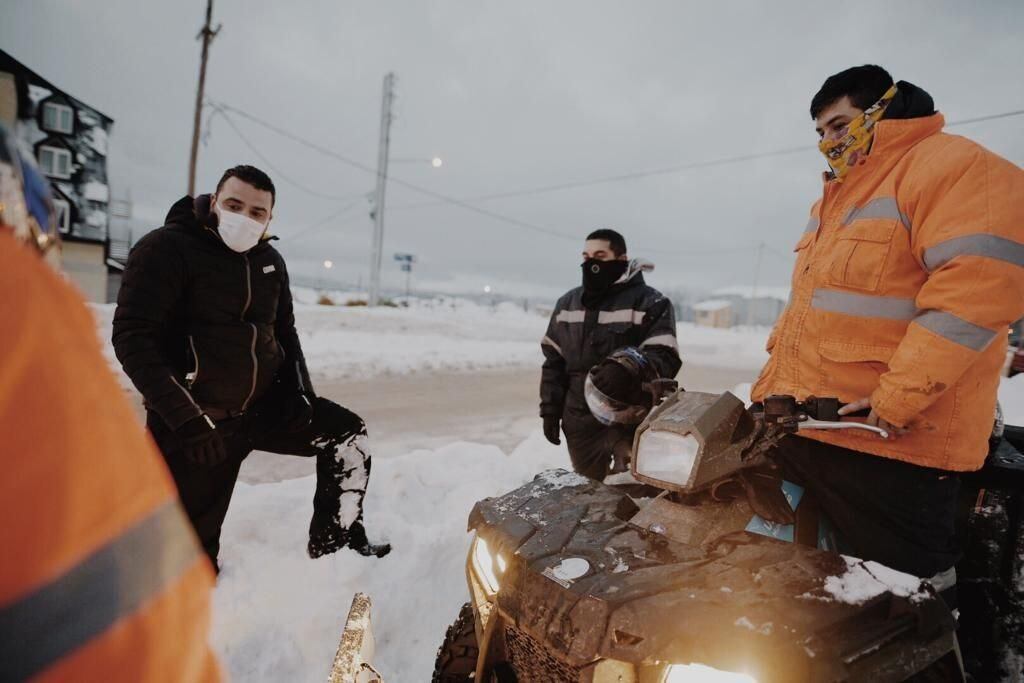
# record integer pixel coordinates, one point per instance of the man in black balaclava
(613, 309)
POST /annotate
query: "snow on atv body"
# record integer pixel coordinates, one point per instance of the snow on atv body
(573, 580)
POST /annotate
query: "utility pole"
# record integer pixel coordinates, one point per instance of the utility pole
(206, 34)
(753, 291)
(378, 195)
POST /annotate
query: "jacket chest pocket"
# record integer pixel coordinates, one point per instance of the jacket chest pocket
(609, 337)
(859, 254)
(266, 291)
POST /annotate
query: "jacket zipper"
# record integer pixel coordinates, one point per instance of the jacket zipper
(192, 377)
(252, 347)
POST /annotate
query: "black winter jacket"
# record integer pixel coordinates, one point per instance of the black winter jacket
(580, 335)
(201, 328)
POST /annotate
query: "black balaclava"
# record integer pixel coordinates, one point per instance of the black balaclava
(598, 276)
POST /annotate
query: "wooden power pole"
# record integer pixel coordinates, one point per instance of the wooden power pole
(206, 34)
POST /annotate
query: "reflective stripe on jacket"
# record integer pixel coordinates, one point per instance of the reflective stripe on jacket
(907, 277)
(578, 337)
(102, 577)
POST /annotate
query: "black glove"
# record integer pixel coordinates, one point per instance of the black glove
(616, 382)
(297, 412)
(552, 426)
(201, 441)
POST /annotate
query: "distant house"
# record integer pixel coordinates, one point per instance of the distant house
(714, 313)
(750, 306)
(69, 141)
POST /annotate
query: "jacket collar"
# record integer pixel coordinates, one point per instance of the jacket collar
(893, 139)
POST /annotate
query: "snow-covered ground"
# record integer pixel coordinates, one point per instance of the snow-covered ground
(355, 342)
(278, 615)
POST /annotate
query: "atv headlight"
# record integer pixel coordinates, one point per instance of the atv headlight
(698, 673)
(667, 456)
(489, 566)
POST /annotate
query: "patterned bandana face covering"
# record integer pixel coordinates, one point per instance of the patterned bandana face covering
(852, 147)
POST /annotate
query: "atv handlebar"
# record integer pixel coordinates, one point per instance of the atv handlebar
(790, 415)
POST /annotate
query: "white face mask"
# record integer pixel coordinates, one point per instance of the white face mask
(239, 232)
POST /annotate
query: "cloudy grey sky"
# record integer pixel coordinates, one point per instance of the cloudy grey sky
(514, 96)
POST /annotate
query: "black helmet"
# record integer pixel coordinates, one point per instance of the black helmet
(617, 389)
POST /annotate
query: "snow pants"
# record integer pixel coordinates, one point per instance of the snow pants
(593, 447)
(336, 437)
(896, 513)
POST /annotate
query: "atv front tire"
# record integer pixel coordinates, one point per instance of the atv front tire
(456, 658)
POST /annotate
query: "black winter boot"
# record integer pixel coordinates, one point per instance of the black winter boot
(329, 540)
(357, 541)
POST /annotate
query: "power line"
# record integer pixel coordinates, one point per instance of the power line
(669, 170)
(992, 117)
(322, 223)
(277, 171)
(444, 199)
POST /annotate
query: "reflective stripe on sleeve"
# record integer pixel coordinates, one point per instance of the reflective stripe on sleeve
(956, 329)
(988, 246)
(863, 305)
(812, 224)
(113, 582)
(551, 342)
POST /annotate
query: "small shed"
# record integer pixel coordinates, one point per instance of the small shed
(714, 313)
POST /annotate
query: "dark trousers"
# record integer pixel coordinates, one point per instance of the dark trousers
(335, 437)
(892, 512)
(594, 446)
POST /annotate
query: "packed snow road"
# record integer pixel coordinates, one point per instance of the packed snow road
(428, 410)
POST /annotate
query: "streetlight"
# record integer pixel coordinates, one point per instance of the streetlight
(436, 162)
(328, 264)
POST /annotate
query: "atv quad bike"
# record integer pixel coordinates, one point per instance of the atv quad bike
(713, 570)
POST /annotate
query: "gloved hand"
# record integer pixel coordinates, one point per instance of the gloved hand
(297, 412)
(201, 441)
(552, 427)
(616, 382)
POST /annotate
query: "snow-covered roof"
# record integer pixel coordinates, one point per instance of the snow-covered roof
(712, 305)
(748, 292)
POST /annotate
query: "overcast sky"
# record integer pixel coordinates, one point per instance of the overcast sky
(514, 96)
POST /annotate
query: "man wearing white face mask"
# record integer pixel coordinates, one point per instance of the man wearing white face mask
(205, 329)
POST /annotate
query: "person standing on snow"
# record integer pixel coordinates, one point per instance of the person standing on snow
(908, 274)
(102, 576)
(613, 311)
(204, 327)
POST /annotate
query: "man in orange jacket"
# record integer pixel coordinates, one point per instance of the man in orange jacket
(102, 577)
(908, 274)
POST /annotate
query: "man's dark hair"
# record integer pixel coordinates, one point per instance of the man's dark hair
(864, 85)
(251, 176)
(616, 241)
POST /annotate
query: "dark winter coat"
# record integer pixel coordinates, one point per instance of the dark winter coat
(201, 328)
(581, 334)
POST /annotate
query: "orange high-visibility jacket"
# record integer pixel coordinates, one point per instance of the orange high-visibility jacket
(907, 277)
(101, 578)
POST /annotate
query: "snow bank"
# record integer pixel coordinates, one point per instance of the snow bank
(278, 615)
(738, 347)
(355, 342)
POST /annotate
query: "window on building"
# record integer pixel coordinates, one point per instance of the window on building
(58, 117)
(55, 161)
(63, 210)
